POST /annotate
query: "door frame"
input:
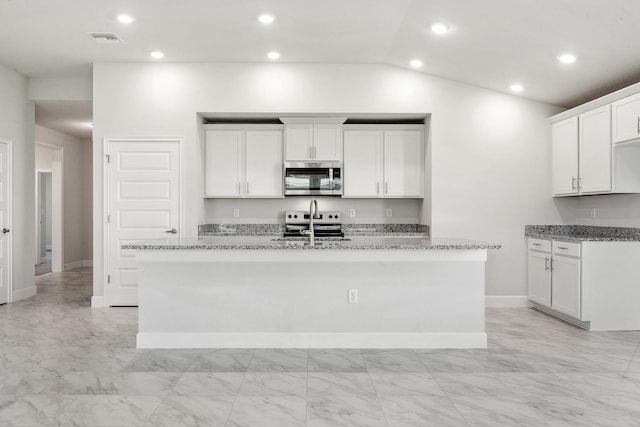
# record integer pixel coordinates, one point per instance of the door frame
(8, 220)
(105, 196)
(57, 204)
(39, 173)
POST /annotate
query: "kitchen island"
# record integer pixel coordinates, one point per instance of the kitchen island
(267, 292)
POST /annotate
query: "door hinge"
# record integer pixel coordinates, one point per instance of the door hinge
(109, 278)
(108, 157)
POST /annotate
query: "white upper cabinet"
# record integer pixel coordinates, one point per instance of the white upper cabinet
(243, 161)
(311, 138)
(384, 161)
(564, 157)
(223, 163)
(626, 119)
(595, 151)
(362, 172)
(403, 163)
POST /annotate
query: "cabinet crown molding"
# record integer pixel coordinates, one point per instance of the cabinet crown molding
(310, 119)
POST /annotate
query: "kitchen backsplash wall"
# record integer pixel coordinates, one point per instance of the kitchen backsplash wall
(621, 210)
(259, 211)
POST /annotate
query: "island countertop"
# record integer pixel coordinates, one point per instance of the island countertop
(274, 242)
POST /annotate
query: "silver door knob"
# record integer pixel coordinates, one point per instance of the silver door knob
(5, 230)
(172, 231)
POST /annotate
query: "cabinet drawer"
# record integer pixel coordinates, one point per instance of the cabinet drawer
(565, 248)
(540, 245)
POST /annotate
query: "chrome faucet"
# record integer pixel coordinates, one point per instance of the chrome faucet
(313, 214)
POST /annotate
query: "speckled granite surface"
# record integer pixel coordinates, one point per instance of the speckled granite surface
(580, 233)
(275, 229)
(275, 242)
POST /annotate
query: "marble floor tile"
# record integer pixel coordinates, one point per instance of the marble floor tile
(264, 384)
(421, 410)
(222, 360)
(63, 363)
(393, 361)
(209, 384)
(191, 411)
(281, 411)
(278, 360)
(336, 360)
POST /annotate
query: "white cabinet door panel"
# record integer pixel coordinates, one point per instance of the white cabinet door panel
(565, 296)
(223, 152)
(539, 278)
(298, 141)
(595, 150)
(403, 162)
(564, 157)
(362, 163)
(626, 119)
(327, 142)
(263, 163)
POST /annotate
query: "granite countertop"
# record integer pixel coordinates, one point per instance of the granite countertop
(412, 241)
(582, 233)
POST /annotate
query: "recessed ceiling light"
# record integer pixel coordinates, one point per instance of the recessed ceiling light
(273, 55)
(126, 19)
(567, 58)
(440, 28)
(156, 54)
(516, 87)
(266, 19)
(416, 63)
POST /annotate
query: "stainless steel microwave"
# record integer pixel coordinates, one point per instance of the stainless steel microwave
(313, 178)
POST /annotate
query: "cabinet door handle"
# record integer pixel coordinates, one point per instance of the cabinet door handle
(580, 184)
(377, 187)
(551, 261)
(386, 187)
(638, 125)
(573, 183)
(239, 188)
(247, 187)
(546, 264)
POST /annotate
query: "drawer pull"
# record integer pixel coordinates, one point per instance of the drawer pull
(563, 247)
(537, 244)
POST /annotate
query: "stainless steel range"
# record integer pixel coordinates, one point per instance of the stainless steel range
(325, 224)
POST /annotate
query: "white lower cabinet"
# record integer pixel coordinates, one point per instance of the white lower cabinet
(243, 161)
(593, 284)
(553, 278)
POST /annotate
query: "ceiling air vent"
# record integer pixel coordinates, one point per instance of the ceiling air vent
(106, 38)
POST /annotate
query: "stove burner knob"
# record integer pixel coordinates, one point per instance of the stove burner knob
(295, 216)
(330, 216)
(289, 215)
(336, 217)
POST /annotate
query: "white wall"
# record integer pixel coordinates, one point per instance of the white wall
(490, 152)
(74, 191)
(87, 199)
(17, 117)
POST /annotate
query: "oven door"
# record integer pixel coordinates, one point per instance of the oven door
(312, 179)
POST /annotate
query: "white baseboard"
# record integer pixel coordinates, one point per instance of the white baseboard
(78, 264)
(506, 301)
(21, 294)
(98, 301)
(312, 340)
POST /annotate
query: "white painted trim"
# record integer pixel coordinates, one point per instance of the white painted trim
(9, 224)
(312, 340)
(21, 294)
(78, 264)
(98, 302)
(105, 196)
(507, 301)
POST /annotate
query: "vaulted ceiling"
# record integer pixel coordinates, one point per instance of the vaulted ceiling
(490, 43)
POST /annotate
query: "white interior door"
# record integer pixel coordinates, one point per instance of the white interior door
(5, 220)
(143, 202)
